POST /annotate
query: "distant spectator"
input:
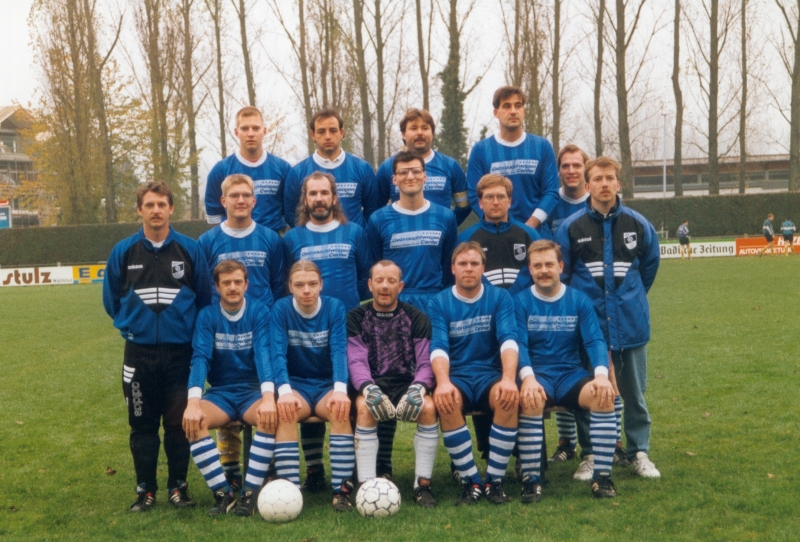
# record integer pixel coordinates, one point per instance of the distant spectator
(768, 233)
(787, 229)
(683, 239)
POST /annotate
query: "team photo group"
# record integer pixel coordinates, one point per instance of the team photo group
(331, 297)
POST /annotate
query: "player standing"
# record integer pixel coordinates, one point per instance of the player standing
(355, 179)
(788, 229)
(611, 254)
(231, 345)
(526, 159)
(156, 282)
(683, 239)
(445, 182)
(267, 171)
(388, 356)
(308, 345)
(768, 235)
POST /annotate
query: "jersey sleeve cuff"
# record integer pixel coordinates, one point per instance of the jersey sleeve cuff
(541, 215)
(195, 392)
(267, 387)
(525, 372)
(601, 371)
(283, 389)
(510, 344)
(214, 219)
(439, 353)
(340, 386)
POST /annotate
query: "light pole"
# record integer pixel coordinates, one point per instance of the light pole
(665, 153)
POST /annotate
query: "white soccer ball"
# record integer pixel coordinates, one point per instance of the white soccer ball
(280, 501)
(378, 498)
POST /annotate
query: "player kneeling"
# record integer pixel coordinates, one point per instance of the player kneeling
(388, 355)
(308, 345)
(554, 321)
(231, 342)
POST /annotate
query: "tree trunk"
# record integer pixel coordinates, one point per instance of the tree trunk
(452, 138)
(677, 169)
(598, 79)
(215, 8)
(622, 104)
(189, 109)
(794, 142)
(423, 70)
(303, 59)
(366, 116)
(743, 110)
(713, 97)
(380, 48)
(248, 66)
(556, 74)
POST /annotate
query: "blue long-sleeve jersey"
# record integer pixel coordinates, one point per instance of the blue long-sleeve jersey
(420, 242)
(355, 184)
(472, 332)
(446, 183)
(551, 331)
(232, 349)
(309, 347)
(341, 252)
(258, 248)
(529, 163)
(154, 293)
(565, 207)
(268, 173)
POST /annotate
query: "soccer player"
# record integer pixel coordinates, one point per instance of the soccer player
(267, 171)
(474, 359)
(768, 235)
(156, 282)
(554, 322)
(231, 345)
(355, 179)
(388, 356)
(788, 229)
(445, 180)
(611, 254)
(308, 345)
(504, 240)
(417, 235)
(526, 159)
(683, 239)
(572, 195)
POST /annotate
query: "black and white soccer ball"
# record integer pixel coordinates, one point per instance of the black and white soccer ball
(378, 498)
(280, 501)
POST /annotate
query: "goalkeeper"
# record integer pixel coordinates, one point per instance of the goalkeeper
(388, 343)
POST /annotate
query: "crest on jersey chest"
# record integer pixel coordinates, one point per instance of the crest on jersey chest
(630, 239)
(519, 251)
(177, 270)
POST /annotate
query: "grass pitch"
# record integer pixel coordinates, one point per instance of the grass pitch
(722, 392)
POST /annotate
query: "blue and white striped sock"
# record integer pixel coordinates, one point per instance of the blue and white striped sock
(459, 445)
(343, 460)
(426, 444)
(618, 416)
(601, 431)
(366, 442)
(206, 457)
(260, 456)
(312, 438)
(287, 461)
(501, 444)
(531, 432)
(565, 421)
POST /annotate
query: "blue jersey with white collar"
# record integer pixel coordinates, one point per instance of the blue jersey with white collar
(563, 209)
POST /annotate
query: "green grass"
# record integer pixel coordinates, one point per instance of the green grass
(722, 393)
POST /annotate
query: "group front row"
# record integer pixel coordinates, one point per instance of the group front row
(480, 350)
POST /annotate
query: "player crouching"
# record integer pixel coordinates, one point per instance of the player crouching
(308, 345)
(230, 351)
(388, 356)
(554, 321)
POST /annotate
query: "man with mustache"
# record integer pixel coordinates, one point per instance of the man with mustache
(446, 183)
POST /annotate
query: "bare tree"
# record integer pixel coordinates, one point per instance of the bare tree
(791, 61)
(677, 170)
(214, 8)
(743, 103)
(600, 17)
(423, 57)
(241, 12)
(363, 83)
(555, 74)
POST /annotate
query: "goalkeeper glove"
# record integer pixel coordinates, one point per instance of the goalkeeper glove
(410, 405)
(378, 403)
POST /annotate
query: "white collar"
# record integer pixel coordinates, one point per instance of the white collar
(559, 295)
(237, 315)
(325, 228)
(403, 211)
(467, 299)
(321, 161)
(248, 163)
(237, 233)
(430, 157)
(505, 143)
(304, 315)
(570, 200)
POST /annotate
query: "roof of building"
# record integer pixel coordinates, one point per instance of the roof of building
(7, 113)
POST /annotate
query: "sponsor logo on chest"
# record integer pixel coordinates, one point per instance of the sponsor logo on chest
(415, 239)
(515, 167)
(326, 252)
(519, 251)
(248, 258)
(552, 323)
(266, 187)
(303, 339)
(346, 190)
(238, 341)
(462, 328)
(177, 270)
(630, 239)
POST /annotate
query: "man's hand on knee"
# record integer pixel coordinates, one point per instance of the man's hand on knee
(602, 391)
(531, 394)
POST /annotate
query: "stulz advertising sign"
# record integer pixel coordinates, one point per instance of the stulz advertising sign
(701, 249)
(34, 276)
(751, 246)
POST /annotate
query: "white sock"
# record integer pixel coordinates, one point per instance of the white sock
(366, 439)
(426, 444)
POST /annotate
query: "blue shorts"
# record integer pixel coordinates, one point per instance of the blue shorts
(233, 400)
(475, 390)
(311, 389)
(558, 383)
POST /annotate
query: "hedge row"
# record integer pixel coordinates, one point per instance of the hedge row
(92, 243)
(709, 216)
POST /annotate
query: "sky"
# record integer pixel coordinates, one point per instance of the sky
(17, 82)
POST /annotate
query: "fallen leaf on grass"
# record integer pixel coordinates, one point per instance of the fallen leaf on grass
(42, 471)
(19, 422)
(447, 527)
(691, 454)
(769, 475)
(659, 376)
(674, 398)
(615, 504)
(110, 471)
(706, 415)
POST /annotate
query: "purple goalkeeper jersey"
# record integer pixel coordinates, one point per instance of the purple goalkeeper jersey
(393, 344)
